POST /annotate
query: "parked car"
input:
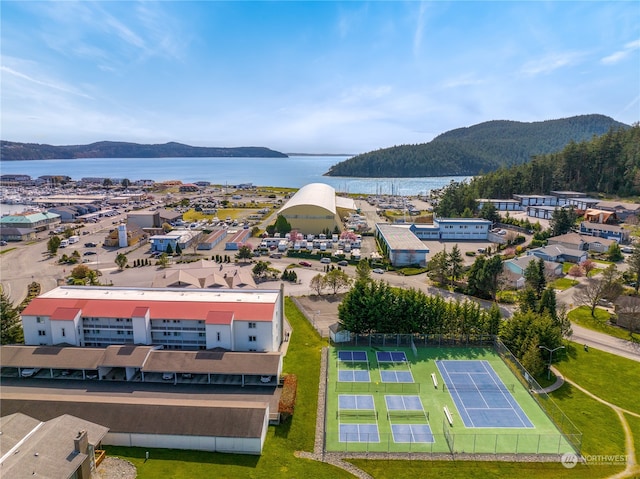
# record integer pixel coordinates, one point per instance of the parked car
(265, 379)
(167, 376)
(305, 263)
(187, 375)
(378, 270)
(28, 372)
(89, 253)
(92, 374)
(3, 243)
(90, 245)
(343, 263)
(325, 260)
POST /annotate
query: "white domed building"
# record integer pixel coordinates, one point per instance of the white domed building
(316, 208)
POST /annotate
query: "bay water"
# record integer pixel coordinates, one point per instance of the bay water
(292, 172)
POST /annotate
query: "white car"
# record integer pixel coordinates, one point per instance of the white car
(27, 373)
(378, 270)
(325, 260)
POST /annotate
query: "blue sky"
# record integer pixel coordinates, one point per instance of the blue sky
(318, 77)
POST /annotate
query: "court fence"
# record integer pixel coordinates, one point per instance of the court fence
(362, 387)
(570, 431)
(417, 340)
(449, 442)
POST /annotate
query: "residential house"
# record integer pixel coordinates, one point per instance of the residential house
(613, 232)
(581, 242)
(621, 209)
(559, 254)
(62, 446)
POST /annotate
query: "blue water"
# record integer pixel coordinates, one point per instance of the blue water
(293, 172)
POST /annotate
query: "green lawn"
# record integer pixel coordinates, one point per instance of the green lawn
(611, 377)
(277, 459)
(563, 283)
(480, 470)
(582, 316)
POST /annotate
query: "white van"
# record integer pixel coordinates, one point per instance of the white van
(64, 243)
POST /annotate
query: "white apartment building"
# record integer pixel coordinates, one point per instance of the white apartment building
(188, 319)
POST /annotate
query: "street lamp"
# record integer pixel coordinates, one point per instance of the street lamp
(551, 351)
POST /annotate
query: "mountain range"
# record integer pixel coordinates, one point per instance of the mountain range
(115, 149)
(476, 149)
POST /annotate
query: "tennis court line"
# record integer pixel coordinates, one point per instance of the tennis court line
(510, 398)
(459, 404)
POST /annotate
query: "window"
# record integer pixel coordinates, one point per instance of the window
(218, 336)
(252, 325)
(252, 339)
(63, 332)
(202, 335)
(176, 333)
(42, 332)
(39, 319)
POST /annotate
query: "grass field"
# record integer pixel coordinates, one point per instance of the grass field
(543, 438)
(563, 283)
(582, 316)
(612, 378)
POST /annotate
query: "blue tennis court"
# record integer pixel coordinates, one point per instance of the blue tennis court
(412, 433)
(401, 402)
(353, 376)
(359, 433)
(353, 356)
(396, 376)
(391, 356)
(480, 396)
(355, 401)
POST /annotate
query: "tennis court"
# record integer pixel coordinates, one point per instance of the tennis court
(396, 376)
(391, 356)
(355, 401)
(353, 376)
(411, 433)
(482, 399)
(398, 402)
(353, 356)
(359, 433)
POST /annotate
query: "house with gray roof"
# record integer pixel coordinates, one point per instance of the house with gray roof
(559, 254)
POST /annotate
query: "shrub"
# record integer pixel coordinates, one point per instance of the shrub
(287, 402)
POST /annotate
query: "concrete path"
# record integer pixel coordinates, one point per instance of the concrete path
(557, 385)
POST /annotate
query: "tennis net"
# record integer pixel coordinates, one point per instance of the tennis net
(405, 414)
(479, 387)
(357, 414)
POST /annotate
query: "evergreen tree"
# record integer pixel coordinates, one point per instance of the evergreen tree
(169, 249)
(178, 249)
(548, 303)
(10, 325)
(614, 253)
(489, 212)
(456, 263)
(363, 270)
(282, 226)
(439, 267)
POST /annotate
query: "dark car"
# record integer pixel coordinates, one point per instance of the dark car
(305, 263)
(343, 263)
(90, 245)
(89, 253)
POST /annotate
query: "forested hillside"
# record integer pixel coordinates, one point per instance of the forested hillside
(114, 149)
(608, 164)
(478, 149)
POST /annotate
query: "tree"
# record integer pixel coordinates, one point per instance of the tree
(107, 182)
(576, 271)
(336, 280)
(363, 270)
(126, 183)
(590, 294)
(534, 275)
(178, 249)
(121, 260)
(53, 244)
(166, 227)
(612, 283)
(282, 225)
(489, 212)
(588, 266)
(614, 253)
(634, 264)
(80, 272)
(439, 267)
(260, 269)
(456, 263)
(169, 249)
(548, 303)
(562, 220)
(245, 252)
(532, 357)
(10, 325)
(317, 284)
(163, 260)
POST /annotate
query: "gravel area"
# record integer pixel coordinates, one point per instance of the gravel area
(115, 468)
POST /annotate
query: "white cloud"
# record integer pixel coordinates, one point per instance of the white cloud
(620, 55)
(550, 63)
(46, 83)
(420, 24)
